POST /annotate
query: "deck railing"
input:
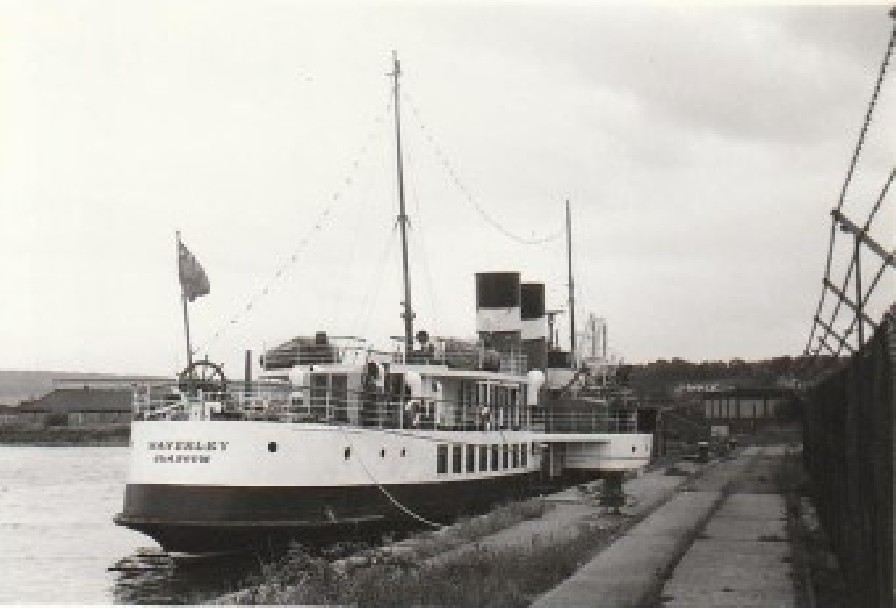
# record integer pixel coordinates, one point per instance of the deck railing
(512, 362)
(368, 410)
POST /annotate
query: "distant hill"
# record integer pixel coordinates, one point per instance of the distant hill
(17, 386)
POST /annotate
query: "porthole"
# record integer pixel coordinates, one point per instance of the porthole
(348, 453)
(272, 446)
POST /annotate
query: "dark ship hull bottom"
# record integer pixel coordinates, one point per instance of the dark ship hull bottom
(208, 519)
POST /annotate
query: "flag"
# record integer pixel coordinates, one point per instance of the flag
(193, 280)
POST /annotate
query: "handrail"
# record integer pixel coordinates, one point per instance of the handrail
(391, 414)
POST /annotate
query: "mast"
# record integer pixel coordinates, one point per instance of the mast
(408, 314)
(572, 291)
(183, 297)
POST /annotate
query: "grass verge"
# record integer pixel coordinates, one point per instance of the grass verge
(507, 577)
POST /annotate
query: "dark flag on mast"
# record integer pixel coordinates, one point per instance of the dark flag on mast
(193, 279)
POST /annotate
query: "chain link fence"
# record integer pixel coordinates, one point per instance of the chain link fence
(848, 451)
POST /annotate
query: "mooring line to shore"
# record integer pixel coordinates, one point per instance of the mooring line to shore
(386, 493)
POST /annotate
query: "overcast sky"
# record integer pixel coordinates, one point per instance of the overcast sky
(702, 150)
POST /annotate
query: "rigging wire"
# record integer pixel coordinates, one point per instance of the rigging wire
(371, 292)
(286, 265)
(468, 196)
(418, 233)
(848, 179)
(434, 309)
(350, 251)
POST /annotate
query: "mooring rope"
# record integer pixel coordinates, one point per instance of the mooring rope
(386, 492)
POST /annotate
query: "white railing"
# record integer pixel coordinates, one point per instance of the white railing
(587, 422)
(473, 357)
(285, 403)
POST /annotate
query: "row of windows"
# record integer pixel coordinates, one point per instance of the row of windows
(490, 393)
(471, 458)
(741, 408)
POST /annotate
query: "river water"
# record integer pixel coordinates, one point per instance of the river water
(58, 542)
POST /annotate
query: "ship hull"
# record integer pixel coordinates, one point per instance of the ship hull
(208, 486)
(198, 519)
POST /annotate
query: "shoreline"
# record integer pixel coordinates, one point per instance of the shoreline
(38, 436)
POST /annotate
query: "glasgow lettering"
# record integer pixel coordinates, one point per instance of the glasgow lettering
(180, 459)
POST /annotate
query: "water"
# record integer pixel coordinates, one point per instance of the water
(57, 539)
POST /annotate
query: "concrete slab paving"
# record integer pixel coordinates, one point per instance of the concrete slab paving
(679, 516)
(774, 551)
(625, 572)
(709, 564)
(735, 561)
(764, 530)
(619, 576)
(753, 506)
(731, 567)
(728, 599)
(571, 509)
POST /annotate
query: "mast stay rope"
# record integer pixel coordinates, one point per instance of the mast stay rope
(468, 196)
(325, 214)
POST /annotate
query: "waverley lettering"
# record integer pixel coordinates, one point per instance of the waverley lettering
(189, 446)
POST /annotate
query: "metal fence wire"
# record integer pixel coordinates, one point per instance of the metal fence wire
(848, 452)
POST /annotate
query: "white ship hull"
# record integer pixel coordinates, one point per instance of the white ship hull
(598, 453)
(213, 485)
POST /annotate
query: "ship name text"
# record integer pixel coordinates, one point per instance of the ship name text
(197, 446)
(186, 446)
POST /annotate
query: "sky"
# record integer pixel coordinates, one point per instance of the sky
(701, 149)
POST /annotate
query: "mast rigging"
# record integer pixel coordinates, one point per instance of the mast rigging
(408, 314)
(572, 291)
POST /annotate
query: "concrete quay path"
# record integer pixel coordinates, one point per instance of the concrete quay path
(742, 556)
(572, 508)
(738, 559)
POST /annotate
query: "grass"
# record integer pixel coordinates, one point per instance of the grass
(507, 577)
(464, 532)
(512, 576)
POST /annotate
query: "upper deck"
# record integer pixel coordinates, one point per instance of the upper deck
(405, 397)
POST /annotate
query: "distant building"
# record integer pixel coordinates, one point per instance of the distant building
(710, 386)
(31, 411)
(745, 408)
(9, 414)
(88, 405)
